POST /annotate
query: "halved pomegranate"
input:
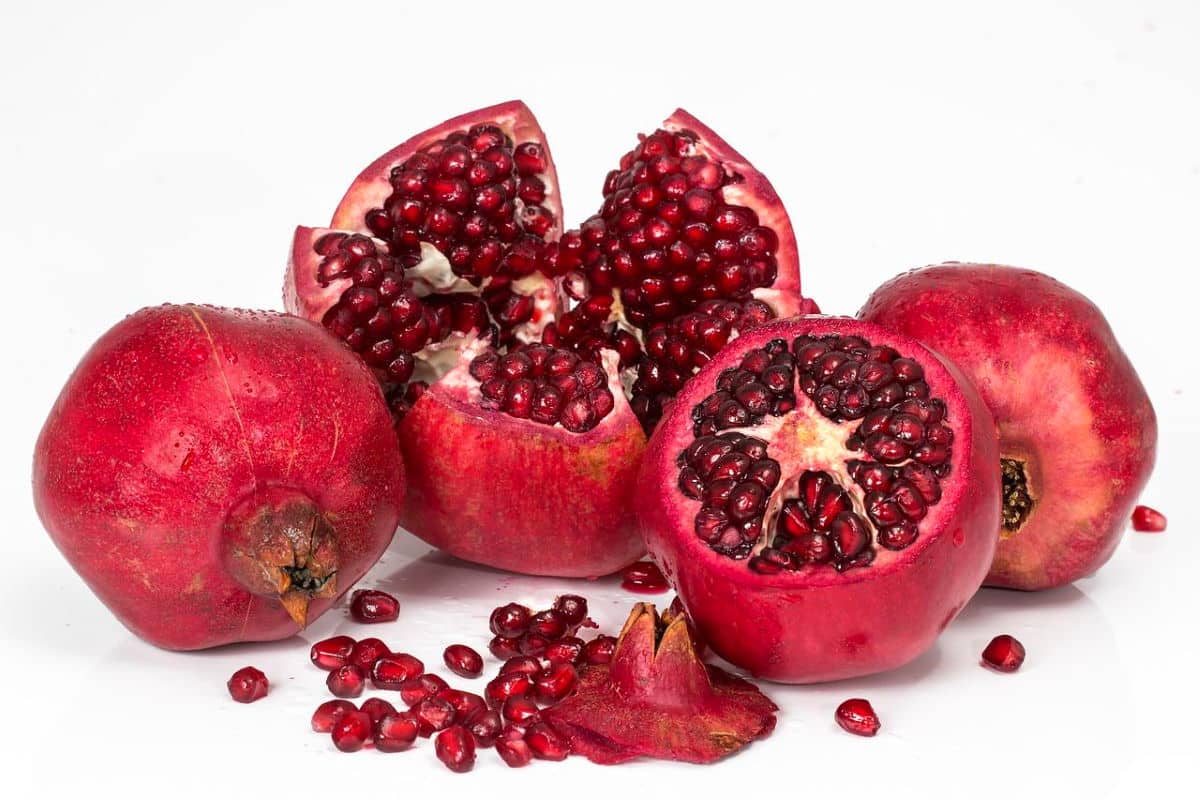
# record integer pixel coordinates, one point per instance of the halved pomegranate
(523, 370)
(824, 497)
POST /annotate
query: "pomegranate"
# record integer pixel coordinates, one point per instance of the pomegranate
(1004, 654)
(657, 699)
(833, 482)
(1077, 431)
(218, 475)
(503, 342)
(858, 717)
(1147, 520)
(247, 685)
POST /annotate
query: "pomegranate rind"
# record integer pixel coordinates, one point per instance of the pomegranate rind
(657, 699)
(822, 625)
(518, 495)
(1067, 401)
(372, 186)
(755, 192)
(303, 294)
(179, 414)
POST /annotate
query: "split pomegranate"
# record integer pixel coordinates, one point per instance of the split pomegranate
(858, 717)
(371, 605)
(1004, 654)
(1147, 520)
(218, 475)
(502, 341)
(656, 699)
(247, 685)
(824, 496)
(1077, 431)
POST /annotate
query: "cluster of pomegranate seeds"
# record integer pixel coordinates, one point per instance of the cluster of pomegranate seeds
(858, 717)
(898, 431)
(545, 384)
(247, 685)
(1004, 654)
(372, 605)
(644, 577)
(1147, 520)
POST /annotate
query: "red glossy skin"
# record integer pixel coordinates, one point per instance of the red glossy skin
(804, 627)
(1066, 399)
(178, 415)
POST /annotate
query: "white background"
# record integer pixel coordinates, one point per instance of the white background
(152, 153)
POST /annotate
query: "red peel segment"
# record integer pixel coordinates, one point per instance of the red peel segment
(657, 699)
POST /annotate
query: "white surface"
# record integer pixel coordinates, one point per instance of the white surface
(154, 154)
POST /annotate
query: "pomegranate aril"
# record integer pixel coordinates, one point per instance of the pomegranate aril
(572, 608)
(506, 685)
(532, 644)
(413, 690)
(463, 661)
(555, 683)
(527, 665)
(598, 651)
(467, 705)
(351, 732)
(511, 619)
(514, 752)
(328, 714)
(371, 605)
(433, 714)
(644, 577)
(394, 733)
(376, 708)
(858, 717)
(366, 652)
(1004, 654)
(546, 743)
(1147, 520)
(331, 653)
(519, 709)
(549, 624)
(505, 647)
(392, 671)
(455, 747)
(485, 728)
(247, 685)
(564, 651)
(346, 681)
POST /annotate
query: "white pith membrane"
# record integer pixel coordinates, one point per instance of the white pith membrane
(802, 441)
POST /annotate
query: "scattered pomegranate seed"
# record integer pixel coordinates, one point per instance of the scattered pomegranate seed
(509, 620)
(572, 608)
(644, 577)
(548, 623)
(519, 709)
(598, 651)
(247, 685)
(856, 716)
(526, 664)
(532, 644)
(391, 671)
(466, 704)
(545, 742)
(565, 651)
(556, 682)
(1004, 654)
(505, 686)
(414, 690)
(396, 732)
(463, 661)
(485, 728)
(329, 654)
(433, 714)
(376, 708)
(505, 647)
(366, 652)
(455, 748)
(515, 752)
(329, 712)
(372, 605)
(346, 681)
(351, 732)
(1147, 520)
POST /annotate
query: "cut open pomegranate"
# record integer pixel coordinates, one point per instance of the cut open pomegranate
(540, 357)
(833, 482)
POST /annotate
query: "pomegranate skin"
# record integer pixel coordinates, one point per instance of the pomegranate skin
(561, 505)
(178, 432)
(1087, 441)
(794, 628)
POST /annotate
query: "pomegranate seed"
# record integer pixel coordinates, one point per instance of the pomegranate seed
(505, 647)
(414, 690)
(549, 624)
(532, 644)
(351, 732)
(366, 652)
(331, 653)
(644, 577)
(599, 650)
(247, 685)
(391, 671)
(509, 620)
(1147, 520)
(346, 681)
(455, 747)
(546, 743)
(372, 605)
(572, 608)
(434, 714)
(463, 661)
(555, 683)
(466, 704)
(515, 752)
(565, 651)
(396, 732)
(485, 728)
(519, 709)
(1004, 654)
(329, 712)
(376, 708)
(526, 664)
(856, 716)
(505, 686)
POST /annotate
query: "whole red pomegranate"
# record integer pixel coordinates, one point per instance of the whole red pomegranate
(1077, 431)
(217, 475)
(824, 496)
(525, 365)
